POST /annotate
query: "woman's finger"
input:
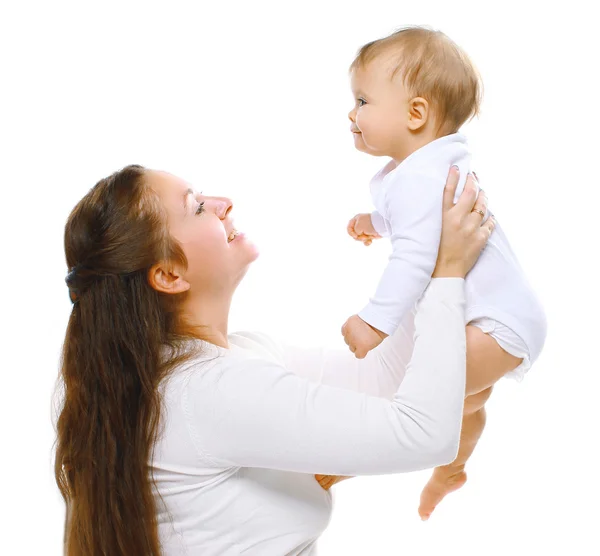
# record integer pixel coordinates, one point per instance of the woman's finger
(450, 188)
(467, 198)
(477, 216)
(483, 234)
(488, 227)
(326, 481)
(481, 202)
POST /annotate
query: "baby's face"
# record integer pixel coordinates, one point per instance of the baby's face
(380, 114)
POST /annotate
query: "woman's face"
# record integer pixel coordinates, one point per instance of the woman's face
(218, 256)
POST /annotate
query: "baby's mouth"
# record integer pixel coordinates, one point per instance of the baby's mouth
(232, 236)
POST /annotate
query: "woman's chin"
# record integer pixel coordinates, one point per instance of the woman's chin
(244, 267)
(245, 248)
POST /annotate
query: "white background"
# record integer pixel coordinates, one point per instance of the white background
(249, 99)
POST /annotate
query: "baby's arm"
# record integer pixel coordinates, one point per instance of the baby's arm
(414, 212)
(380, 224)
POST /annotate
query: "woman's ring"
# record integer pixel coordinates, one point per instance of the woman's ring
(479, 212)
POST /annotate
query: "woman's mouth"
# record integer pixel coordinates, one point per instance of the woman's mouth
(232, 236)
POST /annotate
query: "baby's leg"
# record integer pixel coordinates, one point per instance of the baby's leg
(487, 362)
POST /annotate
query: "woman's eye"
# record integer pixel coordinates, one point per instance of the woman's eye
(200, 208)
(361, 102)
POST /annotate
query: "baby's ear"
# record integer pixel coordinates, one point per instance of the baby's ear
(418, 113)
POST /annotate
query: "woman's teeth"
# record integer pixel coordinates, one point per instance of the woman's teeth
(232, 236)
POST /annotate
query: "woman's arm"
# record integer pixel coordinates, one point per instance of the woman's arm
(249, 413)
(378, 374)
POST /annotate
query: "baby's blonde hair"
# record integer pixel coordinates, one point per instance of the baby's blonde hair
(433, 67)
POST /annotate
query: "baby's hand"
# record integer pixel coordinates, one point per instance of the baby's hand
(360, 336)
(361, 229)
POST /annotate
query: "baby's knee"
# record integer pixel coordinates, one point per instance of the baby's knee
(475, 402)
(487, 362)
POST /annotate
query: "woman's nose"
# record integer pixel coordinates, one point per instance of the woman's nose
(222, 206)
(352, 115)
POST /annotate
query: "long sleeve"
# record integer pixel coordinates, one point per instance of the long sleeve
(253, 413)
(414, 210)
(380, 224)
(378, 374)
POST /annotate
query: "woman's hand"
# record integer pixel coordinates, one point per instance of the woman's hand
(464, 234)
(327, 481)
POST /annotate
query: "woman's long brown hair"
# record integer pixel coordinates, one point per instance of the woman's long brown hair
(121, 340)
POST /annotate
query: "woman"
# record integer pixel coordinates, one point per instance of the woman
(234, 427)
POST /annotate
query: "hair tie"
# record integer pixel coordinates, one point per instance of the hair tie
(70, 279)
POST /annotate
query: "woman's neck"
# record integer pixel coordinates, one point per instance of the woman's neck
(208, 317)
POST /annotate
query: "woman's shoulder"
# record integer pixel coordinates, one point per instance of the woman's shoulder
(256, 344)
(210, 360)
(252, 361)
(210, 364)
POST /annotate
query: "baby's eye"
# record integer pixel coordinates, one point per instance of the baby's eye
(200, 208)
(361, 102)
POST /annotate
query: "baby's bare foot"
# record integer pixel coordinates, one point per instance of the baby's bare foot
(442, 482)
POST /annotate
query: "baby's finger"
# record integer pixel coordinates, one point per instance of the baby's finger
(350, 227)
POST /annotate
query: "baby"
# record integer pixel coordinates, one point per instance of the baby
(413, 91)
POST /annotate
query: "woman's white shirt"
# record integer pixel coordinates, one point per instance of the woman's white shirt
(246, 428)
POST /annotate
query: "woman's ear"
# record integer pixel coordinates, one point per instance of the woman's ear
(167, 278)
(418, 113)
